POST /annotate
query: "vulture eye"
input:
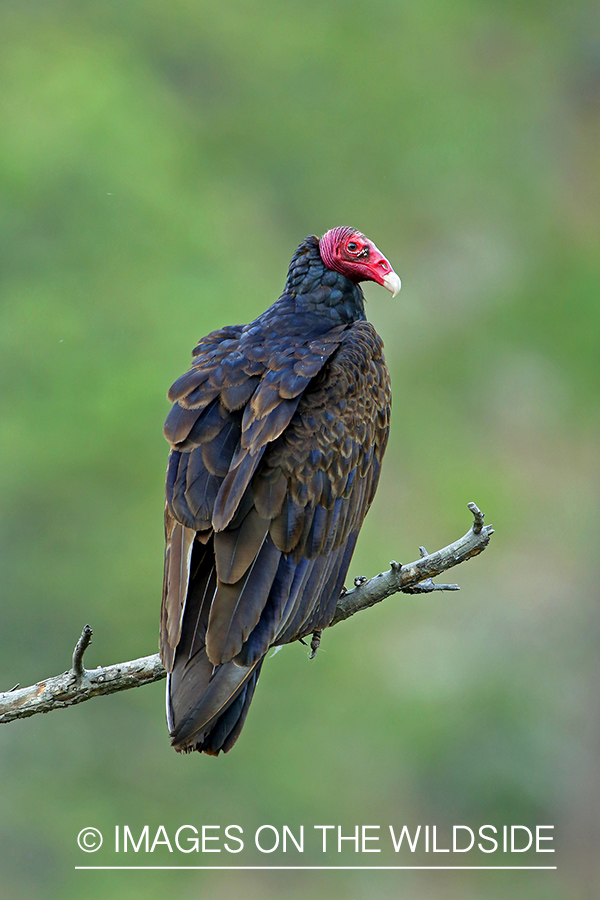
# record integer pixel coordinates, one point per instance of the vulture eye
(352, 247)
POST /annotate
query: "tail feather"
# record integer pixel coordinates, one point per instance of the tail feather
(226, 730)
(206, 704)
(209, 720)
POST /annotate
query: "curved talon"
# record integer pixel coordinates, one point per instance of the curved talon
(315, 643)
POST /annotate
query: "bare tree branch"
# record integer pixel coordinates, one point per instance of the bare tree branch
(79, 684)
(67, 690)
(415, 577)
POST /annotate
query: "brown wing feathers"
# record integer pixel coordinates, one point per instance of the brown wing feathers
(271, 470)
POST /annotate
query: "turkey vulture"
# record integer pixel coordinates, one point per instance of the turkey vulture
(277, 435)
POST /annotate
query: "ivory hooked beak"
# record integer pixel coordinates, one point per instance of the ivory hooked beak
(392, 282)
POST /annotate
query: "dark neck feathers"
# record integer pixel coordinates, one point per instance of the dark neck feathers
(319, 290)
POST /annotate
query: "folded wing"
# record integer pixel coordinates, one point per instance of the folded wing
(275, 460)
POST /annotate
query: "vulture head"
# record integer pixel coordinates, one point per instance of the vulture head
(348, 251)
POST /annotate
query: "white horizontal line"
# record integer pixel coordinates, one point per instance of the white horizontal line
(318, 868)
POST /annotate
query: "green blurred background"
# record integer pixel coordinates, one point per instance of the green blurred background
(159, 163)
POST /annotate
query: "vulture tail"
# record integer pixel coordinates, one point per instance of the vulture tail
(206, 705)
(214, 721)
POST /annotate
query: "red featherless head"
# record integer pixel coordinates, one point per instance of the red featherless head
(348, 251)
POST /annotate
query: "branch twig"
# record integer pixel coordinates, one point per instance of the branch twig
(79, 684)
(82, 644)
